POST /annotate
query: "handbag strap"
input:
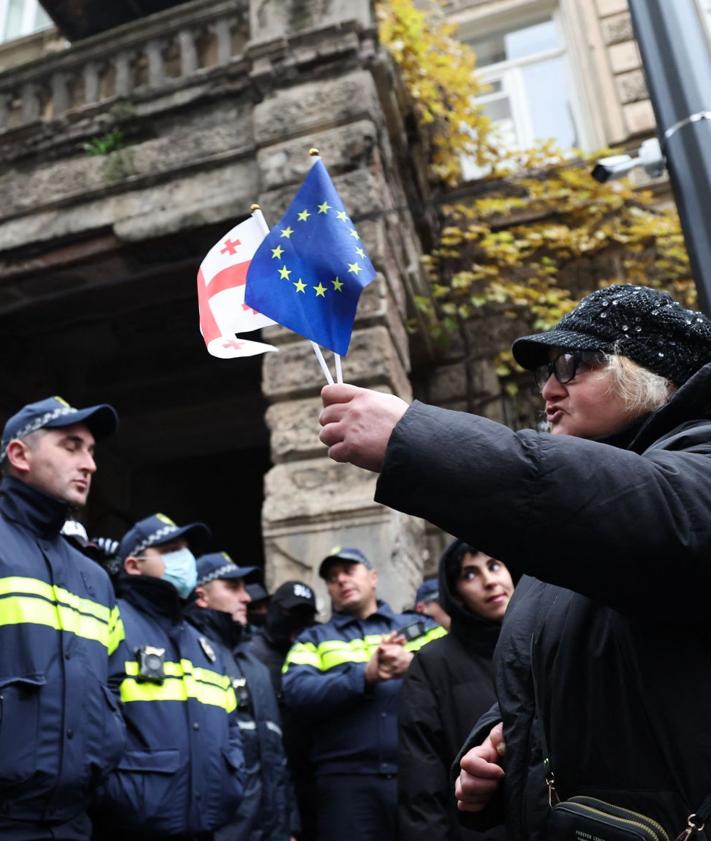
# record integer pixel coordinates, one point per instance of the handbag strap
(553, 797)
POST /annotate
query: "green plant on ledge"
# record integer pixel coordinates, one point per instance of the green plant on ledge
(114, 141)
(113, 147)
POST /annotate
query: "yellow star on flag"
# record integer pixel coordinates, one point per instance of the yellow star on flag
(354, 233)
(320, 290)
(324, 208)
(287, 232)
(303, 216)
(284, 273)
(337, 284)
(360, 252)
(342, 215)
(277, 252)
(354, 268)
(300, 285)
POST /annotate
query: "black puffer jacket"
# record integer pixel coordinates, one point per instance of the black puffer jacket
(449, 684)
(622, 643)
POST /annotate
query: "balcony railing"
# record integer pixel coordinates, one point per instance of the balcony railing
(149, 54)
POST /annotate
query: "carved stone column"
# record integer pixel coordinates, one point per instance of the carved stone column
(313, 63)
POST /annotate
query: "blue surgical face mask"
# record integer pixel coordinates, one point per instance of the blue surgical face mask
(180, 571)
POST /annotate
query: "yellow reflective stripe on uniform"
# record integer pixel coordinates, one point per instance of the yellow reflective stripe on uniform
(117, 632)
(302, 654)
(27, 610)
(14, 584)
(33, 586)
(183, 680)
(186, 667)
(330, 653)
(34, 602)
(100, 611)
(347, 651)
(430, 636)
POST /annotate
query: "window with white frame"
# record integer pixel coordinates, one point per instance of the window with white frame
(530, 96)
(21, 17)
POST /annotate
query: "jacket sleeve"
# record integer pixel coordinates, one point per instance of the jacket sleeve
(423, 779)
(581, 514)
(314, 692)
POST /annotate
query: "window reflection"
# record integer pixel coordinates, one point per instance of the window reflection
(529, 97)
(13, 20)
(548, 97)
(518, 43)
(21, 17)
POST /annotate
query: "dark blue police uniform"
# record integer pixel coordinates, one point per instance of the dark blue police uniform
(354, 724)
(182, 773)
(60, 727)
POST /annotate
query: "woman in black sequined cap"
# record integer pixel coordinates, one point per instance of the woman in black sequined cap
(608, 523)
(646, 325)
(636, 345)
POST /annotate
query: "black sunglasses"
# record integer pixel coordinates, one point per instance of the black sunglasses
(565, 366)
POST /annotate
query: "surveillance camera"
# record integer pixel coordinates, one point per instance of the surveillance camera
(650, 158)
(614, 166)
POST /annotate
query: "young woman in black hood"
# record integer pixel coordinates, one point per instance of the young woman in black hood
(449, 684)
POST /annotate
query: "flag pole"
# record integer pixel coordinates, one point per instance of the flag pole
(256, 211)
(322, 363)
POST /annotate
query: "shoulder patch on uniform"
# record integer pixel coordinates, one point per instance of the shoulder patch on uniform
(208, 650)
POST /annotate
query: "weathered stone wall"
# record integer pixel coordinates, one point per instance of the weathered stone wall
(216, 104)
(312, 503)
(625, 65)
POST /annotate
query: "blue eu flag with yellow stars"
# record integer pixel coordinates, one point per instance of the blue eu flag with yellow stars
(310, 269)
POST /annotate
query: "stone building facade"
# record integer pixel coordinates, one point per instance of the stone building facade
(125, 154)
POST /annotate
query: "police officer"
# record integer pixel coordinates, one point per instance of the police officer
(60, 728)
(344, 677)
(268, 811)
(181, 776)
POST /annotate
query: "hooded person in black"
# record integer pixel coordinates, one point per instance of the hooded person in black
(449, 684)
(292, 608)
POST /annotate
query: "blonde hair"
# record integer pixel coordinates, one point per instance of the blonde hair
(641, 390)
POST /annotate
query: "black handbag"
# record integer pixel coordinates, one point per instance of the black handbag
(583, 818)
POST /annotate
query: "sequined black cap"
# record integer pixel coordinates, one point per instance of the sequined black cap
(644, 324)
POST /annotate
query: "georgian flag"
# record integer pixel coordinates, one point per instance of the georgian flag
(220, 286)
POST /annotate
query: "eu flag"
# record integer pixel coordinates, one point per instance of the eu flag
(310, 269)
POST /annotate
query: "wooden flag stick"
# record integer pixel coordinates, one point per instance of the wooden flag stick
(259, 216)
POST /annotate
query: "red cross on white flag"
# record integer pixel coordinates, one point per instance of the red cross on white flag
(220, 285)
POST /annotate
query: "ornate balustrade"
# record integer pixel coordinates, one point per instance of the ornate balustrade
(149, 55)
